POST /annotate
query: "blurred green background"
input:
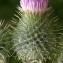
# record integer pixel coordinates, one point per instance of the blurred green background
(8, 8)
(58, 6)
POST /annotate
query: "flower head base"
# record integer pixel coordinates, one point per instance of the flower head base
(34, 5)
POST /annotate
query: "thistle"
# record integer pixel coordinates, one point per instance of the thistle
(34, 39)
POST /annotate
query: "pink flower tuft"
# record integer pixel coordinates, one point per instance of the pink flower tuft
(34, 5)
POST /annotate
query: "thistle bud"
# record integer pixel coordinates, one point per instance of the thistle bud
(34, 5)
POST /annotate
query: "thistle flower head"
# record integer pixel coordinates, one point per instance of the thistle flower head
(34, 5)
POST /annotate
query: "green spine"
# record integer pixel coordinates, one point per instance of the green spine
(34, 39)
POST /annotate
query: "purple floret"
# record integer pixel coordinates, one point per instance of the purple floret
(34, 5)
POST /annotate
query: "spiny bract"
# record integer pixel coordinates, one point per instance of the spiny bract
(34, 39)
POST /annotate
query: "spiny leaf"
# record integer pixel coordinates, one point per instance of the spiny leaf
(34, 39)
